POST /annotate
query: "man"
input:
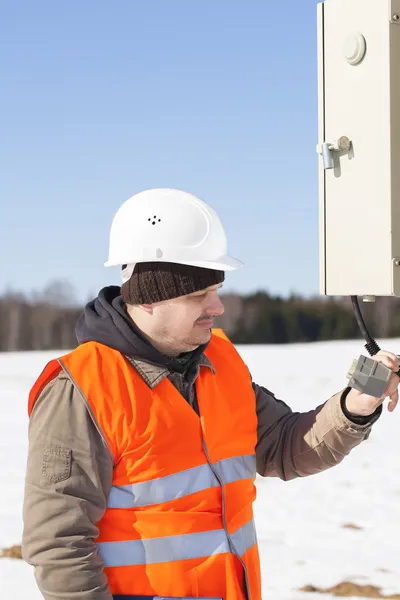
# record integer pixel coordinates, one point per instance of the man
(144, 441)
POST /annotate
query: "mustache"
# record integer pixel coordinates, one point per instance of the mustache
(204, 318)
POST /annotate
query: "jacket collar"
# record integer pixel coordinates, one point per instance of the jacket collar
(153, 374)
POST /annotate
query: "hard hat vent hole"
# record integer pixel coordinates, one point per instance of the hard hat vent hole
(154, 220)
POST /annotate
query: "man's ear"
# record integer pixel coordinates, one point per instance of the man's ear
(148, 308)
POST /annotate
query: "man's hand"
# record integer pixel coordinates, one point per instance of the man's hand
(361, 404)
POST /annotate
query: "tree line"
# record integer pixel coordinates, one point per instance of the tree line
(261, 318)
(46, 320)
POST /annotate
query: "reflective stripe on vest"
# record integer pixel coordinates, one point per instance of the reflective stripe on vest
(178, 485)
(176, 547)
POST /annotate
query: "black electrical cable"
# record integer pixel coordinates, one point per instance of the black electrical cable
(371, 344)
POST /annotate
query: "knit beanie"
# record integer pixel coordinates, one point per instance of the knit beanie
(155, 281)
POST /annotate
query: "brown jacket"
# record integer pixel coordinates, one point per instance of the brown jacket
(65, 498)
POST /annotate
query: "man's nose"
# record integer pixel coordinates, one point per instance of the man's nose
(215, 307)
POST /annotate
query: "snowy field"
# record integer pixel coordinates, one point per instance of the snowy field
(301, 524)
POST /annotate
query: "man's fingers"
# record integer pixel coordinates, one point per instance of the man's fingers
(388, 359)
(394, 398)
(389, 354)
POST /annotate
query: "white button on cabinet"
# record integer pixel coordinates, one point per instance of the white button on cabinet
(354, 48)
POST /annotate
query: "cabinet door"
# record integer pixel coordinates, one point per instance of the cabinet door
(354, 47)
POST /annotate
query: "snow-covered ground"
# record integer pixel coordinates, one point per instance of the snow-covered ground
(300, 524)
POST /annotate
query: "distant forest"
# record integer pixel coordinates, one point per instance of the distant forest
(46, 320)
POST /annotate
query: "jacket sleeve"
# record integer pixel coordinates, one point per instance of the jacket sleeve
(68, 479)
(292, 444)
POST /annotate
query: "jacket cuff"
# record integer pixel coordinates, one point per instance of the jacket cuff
(359, 419)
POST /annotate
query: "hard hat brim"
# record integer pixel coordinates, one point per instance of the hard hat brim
(224, 263)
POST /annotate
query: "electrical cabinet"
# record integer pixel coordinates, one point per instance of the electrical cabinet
(359, 147)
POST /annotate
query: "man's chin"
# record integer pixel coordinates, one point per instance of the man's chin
(201, 336)
(205, 335)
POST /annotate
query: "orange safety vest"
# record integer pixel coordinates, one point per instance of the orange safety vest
(179, 519)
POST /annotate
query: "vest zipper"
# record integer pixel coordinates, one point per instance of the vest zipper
(230, 541)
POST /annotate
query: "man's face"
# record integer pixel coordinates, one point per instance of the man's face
(185, 323)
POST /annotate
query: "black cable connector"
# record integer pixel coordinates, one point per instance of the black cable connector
(371, 345)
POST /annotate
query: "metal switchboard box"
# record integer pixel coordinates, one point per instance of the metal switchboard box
(359, 146)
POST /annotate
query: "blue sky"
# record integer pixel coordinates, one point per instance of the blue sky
(101, 100)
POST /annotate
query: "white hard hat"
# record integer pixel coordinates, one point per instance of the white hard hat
(165, 225)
